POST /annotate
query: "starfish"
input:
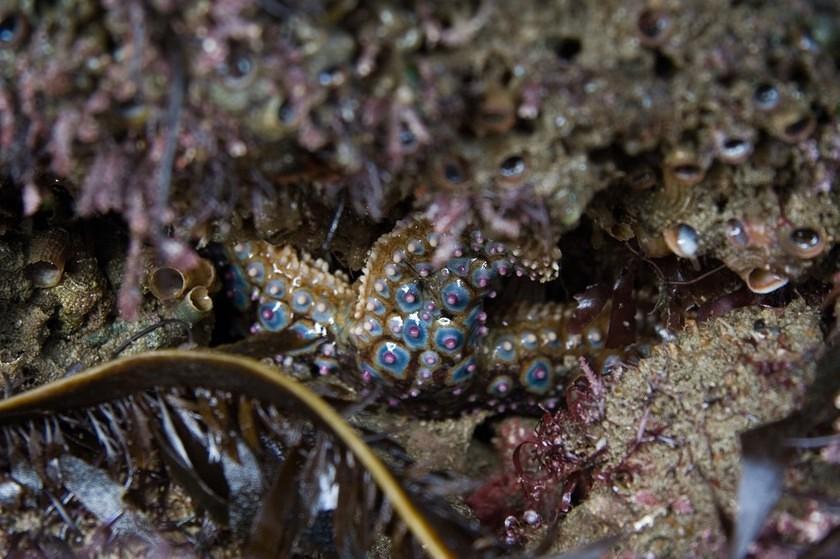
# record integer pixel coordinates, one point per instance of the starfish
(418, 324)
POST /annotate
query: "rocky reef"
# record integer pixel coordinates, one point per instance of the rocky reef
(621, 217)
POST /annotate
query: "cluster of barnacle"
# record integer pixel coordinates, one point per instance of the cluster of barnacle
(748, 177)
(512, 119)
(765, 214)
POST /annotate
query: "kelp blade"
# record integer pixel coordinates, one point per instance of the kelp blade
(239, 375)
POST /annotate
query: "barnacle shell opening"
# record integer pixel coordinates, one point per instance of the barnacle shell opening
(763, 281)
(682, 239)
(804, 242)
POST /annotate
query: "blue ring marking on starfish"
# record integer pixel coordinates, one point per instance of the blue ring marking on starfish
(239, 289)
(500, 386)
(301, 300)
(415, 333)
(275, 288)
(502, 267)
(408, 297)
(423, 374)
(552, 340)
(415, 246)
(459, 266)
(536, 376)
(372, 327)
(505, 349)
(482, 277)
(529, 340)
(274, 315)
(242, 251)
(461, 372)
(255, 271)
(392, 271)
(430, 359)
(449, 340)
(381, 288)
(494, 248)
(322, 312)
(472, 318)
(427, 317)
(375, 306)
(392, 358)
(395, 324)
(424, 269)
(306, 330)
(455, 296)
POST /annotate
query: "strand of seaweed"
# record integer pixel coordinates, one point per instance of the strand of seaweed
(260, 454)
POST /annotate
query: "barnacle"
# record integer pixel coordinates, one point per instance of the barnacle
(804, 242)
(496, 112)
(792, 125)
(763, 281)
(654, 25)
(683, 240)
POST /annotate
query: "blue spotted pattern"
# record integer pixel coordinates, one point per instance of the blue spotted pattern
(482, 277)
(274, 316)
(275, 288)
(505, 349)
(376, 306)
(449, 340)
(459, 266)
(255, 272)
(415, 333)
(409, 298)
(463, 371)
(323, 312)
(392, 358)
(500, 386)
(536, 376)
(301, 301)
(455, 296)
(417, 321)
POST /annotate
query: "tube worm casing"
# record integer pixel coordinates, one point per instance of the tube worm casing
(47, 257)
(167, 282)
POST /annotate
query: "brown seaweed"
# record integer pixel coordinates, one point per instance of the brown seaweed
(247, 444)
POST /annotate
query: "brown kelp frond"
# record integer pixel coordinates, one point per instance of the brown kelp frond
(260, 456)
